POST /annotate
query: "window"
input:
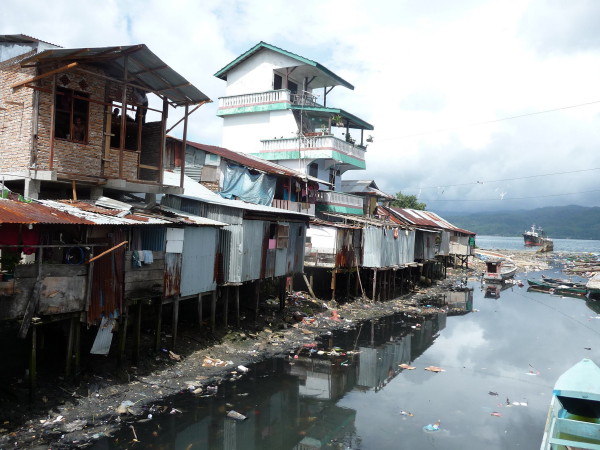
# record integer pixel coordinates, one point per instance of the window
(71, 119)
(313, 170)
(293, 87)
(277, 82)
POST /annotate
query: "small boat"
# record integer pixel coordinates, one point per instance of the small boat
(555, 288)
(574, 416)
(498, 270)
(564, 282)
(534, 237)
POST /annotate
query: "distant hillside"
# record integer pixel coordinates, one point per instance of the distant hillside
(562, 222)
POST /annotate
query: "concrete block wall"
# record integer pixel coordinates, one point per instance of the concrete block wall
(16, 117)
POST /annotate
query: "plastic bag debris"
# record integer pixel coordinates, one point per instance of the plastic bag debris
(210, 362)
(242, 369)
(432, 427)
(406, 367)
(435, 369)
(406, 413)
(235, 415)
(496, 414)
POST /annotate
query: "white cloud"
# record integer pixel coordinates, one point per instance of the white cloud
(423, 72)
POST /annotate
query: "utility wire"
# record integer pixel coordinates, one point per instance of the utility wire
(441, 130)
(507, 198)
(504, 179)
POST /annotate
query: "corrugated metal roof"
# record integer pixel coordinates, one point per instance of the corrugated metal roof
(251, 161)
(144, 68)
(425, 219)
(366, 220)
(35, 213)
(22, 38)
(363, 187)
(96, 215)
(320, 75)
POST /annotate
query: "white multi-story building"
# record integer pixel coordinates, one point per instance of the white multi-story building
(275, 106)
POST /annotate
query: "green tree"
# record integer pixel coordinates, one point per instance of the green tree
(407, 201)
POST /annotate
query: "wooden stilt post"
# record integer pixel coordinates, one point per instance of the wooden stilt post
(69, 357)
(347, 284)
(333, 283)
(213, 311)
(237, 306)
(374, 284)
(137, 333)
(394, 283)
(157, 341)
(257, 297)
(33, 364)
(282, 293)
(77, 348)
(200, 310)
(175, 322)
(123, 334)
(309, 285)
(225, 296)
(356, 282)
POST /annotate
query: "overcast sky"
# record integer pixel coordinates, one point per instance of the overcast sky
(443, 82)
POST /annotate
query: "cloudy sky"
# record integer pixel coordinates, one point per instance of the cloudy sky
(477, 104)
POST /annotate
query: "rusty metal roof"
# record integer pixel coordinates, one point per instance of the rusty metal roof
(251, 161)
(12, 211)
(425, 219)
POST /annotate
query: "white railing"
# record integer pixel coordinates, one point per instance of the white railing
(306, 208)
(326, 142)
(304, 100)
(255, 99)
(339, 198)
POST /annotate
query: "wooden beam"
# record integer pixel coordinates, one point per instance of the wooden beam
(44, 75)
(107, 251)
(190, 113)
(184, 145)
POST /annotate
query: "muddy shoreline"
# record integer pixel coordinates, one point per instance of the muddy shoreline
(65, 415)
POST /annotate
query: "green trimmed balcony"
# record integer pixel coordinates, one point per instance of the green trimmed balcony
(314, 147)
(338, 202)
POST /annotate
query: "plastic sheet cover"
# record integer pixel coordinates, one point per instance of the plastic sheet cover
(241, 184)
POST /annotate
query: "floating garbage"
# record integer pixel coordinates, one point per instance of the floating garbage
(406, 413)
(432, 427)
(435, 369)
(406, 367)
(496, 414)
(242, 369)
(235, 415)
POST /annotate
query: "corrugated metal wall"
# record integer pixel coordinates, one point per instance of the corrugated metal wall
(231, 216)
(385, 248)
(198, 267)
(231, 251)
(424, 245)
(290, 260)
(254, 231)
(153, 238)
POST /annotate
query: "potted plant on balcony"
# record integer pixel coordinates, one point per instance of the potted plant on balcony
(338, 120)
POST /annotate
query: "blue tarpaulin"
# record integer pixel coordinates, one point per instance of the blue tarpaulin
(240, 183)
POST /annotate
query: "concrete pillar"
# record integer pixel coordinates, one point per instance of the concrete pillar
(32, 188)
(96, 192)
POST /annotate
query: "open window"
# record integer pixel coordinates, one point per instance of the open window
(71, 120)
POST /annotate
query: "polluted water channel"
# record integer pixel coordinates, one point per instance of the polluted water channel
(479, 377)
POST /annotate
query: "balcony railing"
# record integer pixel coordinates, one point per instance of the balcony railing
(306, 208)
(257, 98)
(261, 98)
(327, 142)
(339, 198)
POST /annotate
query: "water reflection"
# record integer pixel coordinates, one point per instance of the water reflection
(292, 403)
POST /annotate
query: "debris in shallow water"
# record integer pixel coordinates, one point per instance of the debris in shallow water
(492, 393)
(496, 414)
(432, 427)
(235, 415)
(406, 367)
(435, 369)
(406, 413)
